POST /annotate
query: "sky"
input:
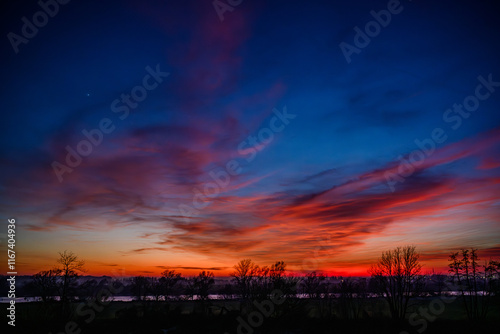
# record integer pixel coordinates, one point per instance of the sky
(153, 135)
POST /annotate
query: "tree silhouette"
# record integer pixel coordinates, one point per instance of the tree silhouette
(168, 280)
(155, 287)
(352, 297)
(261, 285)
(140, 287)
(313, 284)
(244, 271)
(45, 283)
(397, 277)
(476, 283)
(202, 284)
(70, 267)
(277, 275)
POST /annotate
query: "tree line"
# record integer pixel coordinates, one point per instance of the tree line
(396, 277)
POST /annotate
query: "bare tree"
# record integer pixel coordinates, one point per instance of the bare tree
(261, 285)
(313, 284)
(45, 283)
(243, 274)
(352, 297)
(190, 288)
(227, 292)
(476, 283)
(168, 280)
(70, 268)
(440, 282)
(88, 289)
(397, 277)
(140, 287)
(277, 275)
(155, 287)
(202, 283)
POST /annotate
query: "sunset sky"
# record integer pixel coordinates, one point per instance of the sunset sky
(309, 138)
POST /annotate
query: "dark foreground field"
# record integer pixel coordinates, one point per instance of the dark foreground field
(221, 317)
